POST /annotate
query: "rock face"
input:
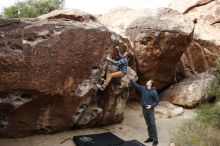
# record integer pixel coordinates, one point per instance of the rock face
(158, 37)
(203, 50)
(197, 55)
(118, 19)
(166, 109)
(72, 14)
(159, 42)
(189, 92)
(207, 11)
(48, 73)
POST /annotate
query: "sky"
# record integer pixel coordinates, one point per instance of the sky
(101, 6)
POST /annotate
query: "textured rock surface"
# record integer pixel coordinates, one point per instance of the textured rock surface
(209, 13)
(166, 109)
(158, 37)
(204, 10)
(159, 42)
(72, 14)
(118, 19)
(203, 50)
(48, 72)
(200, 53)
(189, 92)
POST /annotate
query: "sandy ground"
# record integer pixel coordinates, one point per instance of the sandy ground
(133, 127)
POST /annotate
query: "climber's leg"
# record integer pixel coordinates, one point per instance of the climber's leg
(108, 72)
(102, 78)
(117, 74)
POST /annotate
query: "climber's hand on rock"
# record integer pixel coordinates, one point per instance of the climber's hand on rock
(148, 106)
(129, 78)
(108, 58)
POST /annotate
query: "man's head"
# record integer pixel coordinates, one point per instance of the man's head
(150, 83)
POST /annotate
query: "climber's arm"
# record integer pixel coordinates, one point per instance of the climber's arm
(119, 54)
(121, 61)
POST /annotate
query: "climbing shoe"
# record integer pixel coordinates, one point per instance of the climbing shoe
(100, 87)
(102, 81)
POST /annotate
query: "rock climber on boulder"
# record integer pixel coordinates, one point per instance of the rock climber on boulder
(122, 64)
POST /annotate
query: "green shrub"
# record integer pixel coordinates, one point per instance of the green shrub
(203, 130)
(31, 8)
(209, 114)
(215, 92)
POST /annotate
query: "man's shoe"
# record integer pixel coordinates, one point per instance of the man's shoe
(149, 140)
(155, 143)
(100, 87)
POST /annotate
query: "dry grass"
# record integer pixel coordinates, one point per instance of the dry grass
(203, 130)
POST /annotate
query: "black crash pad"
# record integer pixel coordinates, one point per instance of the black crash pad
(132, 143)
(102, 139)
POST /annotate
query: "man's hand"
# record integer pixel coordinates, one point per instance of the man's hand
(148, 106)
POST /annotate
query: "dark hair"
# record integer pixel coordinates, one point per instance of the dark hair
(153, 82)
(129, 54)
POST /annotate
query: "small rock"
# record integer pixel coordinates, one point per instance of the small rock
(167, 110)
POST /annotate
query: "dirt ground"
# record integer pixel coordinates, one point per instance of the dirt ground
(133, 127)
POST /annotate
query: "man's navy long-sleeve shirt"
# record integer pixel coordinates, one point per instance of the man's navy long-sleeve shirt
(148, 96)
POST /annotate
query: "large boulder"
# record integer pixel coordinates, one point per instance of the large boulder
(159, 42)
(71, 14)
(205, 47)
(191, 91)
(48, 72)
(202, 52)
(206, 11)
(166, 109)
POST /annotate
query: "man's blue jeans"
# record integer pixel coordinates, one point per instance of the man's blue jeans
(150, 121)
